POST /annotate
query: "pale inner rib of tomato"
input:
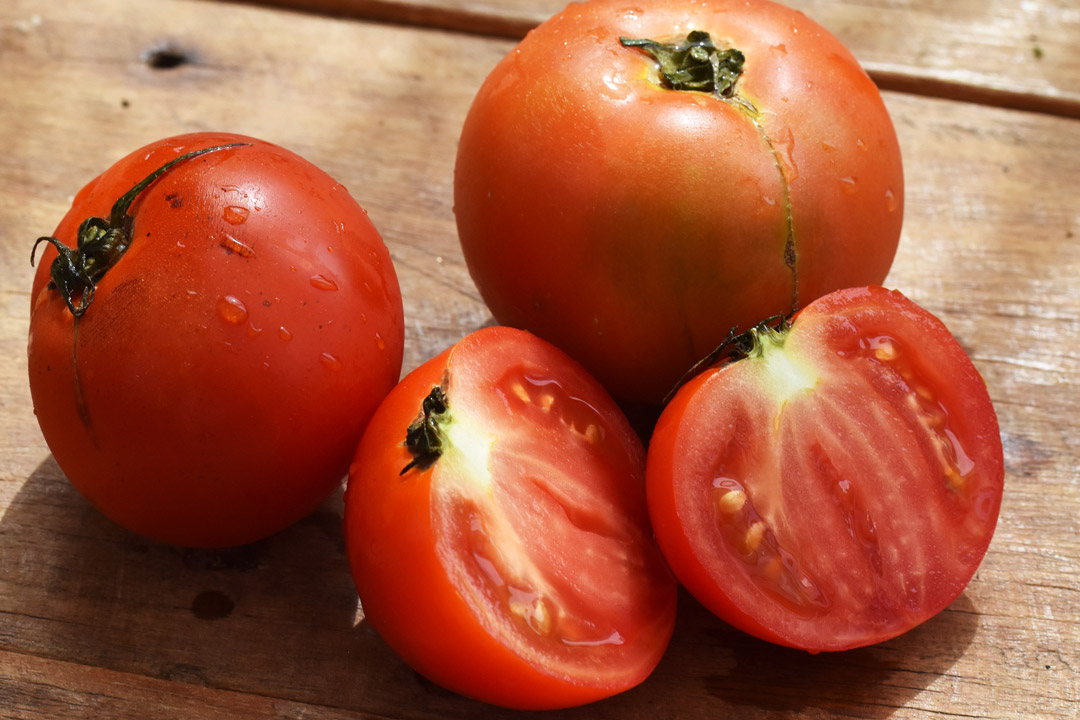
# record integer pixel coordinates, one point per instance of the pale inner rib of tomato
(841, 491)
(540, 524)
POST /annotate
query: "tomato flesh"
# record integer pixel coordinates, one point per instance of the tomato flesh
(530, 530)
(837, 487)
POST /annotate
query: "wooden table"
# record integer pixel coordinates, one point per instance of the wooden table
(97, 623)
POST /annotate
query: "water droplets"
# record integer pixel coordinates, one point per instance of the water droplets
(232, 310)
(283, 334)
(330, 362)
(380, 342)
(891, 200)
(849, 185)
(321, 282)
(235, 215)
(233, 245)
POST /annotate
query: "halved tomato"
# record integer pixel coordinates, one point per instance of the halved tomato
(497, 528)
(838, 485)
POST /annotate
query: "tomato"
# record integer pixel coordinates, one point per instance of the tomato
(496, 526)
(837, 486)
(204, 360)
(633, 224)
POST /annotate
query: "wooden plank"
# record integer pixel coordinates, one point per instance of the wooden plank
(1007, 53)
(32, 688)
(96, 622)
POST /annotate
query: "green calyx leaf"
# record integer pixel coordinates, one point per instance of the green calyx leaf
(694, 63)
(424, 437)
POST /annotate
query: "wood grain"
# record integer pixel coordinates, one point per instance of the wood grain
(95, 622)
(1007, 53)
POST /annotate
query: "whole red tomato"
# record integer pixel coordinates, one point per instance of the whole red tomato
(839, 484)
(205, 355)
(632, 201)
(497, 530)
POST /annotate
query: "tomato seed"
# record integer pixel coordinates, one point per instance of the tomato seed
(885, 351)
(754, 535)
(731, 502)
(521, 393)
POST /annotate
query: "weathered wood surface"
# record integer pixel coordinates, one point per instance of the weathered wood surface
(1011, 53)
(95, 622)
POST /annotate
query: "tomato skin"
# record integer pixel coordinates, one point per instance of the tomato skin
(398, 550)
(230, 360)
(610, 215)
(849, 530)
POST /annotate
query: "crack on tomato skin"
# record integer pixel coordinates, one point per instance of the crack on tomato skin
(81, 405)
(790, 253)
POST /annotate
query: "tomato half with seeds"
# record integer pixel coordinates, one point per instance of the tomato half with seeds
(497, 529)
(632, 181)
(212, 325)
(839, 484)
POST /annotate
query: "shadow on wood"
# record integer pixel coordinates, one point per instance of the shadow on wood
(279, 619)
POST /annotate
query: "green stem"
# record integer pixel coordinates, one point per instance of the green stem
(101, 243)
(694, 63)
(424, 438)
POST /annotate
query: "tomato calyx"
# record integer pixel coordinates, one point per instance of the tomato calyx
(695, 63)
(737, 346)
(424, 438)
(101, 243)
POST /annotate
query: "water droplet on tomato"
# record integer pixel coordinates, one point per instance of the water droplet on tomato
(848, 185)
(232, 310)
(235, 215)
(322, 282)
(253, 331)
(379, 342)
(284, 334)
(233, 245)
(861, 145)
(330, 362)
(891, 201)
